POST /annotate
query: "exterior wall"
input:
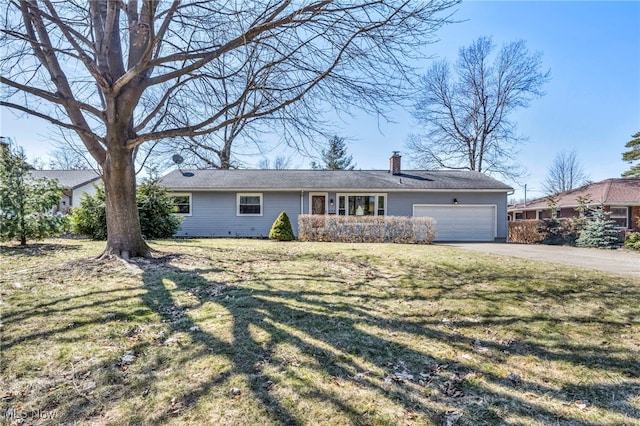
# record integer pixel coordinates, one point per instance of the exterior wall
(76, 197)
(213, 214)
(401, 203)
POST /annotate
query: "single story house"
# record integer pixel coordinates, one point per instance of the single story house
(467, 206)
(74, 184)
(621, 197)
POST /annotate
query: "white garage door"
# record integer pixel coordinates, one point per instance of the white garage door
(460, 223)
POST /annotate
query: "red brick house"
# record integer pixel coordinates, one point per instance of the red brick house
(621, 197)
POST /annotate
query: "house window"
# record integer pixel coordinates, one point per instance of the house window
(362, 204)
(249, 205)
(380, 206)
(182, 202)
(619, 215)
(342, 210)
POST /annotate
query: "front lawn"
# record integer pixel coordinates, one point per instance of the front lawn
(252, 332)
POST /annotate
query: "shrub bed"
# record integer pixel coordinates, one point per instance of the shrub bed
(525, 231)
(558, 231)
(366, 229)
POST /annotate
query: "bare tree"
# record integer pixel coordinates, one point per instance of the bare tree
(69, 156)
(121, 74)
(565, 173)
(465, 109)
(279, 163)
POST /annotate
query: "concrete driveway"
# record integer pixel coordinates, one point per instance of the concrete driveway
(614, 261)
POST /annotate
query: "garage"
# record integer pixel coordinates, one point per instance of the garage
(460, 222)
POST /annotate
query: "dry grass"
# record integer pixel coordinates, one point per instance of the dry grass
(256, 332)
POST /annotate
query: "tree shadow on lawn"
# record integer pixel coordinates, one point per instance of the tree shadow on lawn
(340, 342)
(237, 339)
(37, 249)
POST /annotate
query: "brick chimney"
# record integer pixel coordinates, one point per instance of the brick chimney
(394, 163)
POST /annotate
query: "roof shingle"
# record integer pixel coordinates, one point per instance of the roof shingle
(252, 179)
(67, 178)
(609, 192)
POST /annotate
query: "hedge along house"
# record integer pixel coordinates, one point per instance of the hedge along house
(467, 206)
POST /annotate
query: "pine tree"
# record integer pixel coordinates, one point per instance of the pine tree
(599, 231)
(26, 203)
(281, 229)
(156, 210)
(632, 155)
(335, 157)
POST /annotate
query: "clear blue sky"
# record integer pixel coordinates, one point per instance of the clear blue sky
(592, 103)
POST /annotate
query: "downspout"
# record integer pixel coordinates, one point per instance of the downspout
(302, 201)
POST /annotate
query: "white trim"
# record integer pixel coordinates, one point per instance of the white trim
(183, 194)
(361, 194)
(326, 201)
(249, 194)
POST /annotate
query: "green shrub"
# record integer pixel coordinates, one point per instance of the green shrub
(155, 208)
(633, 241)
(366, 229)
(157, 211)
(560, 232)
(281, 229)
(89, 218)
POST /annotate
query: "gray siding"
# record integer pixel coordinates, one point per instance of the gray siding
(213, 214)
(401, 203)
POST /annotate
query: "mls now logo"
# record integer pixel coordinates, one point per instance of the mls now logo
(13, 414)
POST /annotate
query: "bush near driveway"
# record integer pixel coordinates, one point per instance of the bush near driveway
(525, 231)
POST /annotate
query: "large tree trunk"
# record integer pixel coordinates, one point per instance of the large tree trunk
(124, 235)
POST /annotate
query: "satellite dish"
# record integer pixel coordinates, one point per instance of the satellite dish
(177, 158)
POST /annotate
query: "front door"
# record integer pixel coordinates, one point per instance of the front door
(318, 204)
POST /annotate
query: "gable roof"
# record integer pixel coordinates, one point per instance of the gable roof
(335, 180)
(608, 192)
(68, 178)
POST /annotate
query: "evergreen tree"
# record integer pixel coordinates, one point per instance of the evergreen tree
(155, 208)
(281, 229)
(26, 203)
(599, 231)
(335, 157)
(632, 155)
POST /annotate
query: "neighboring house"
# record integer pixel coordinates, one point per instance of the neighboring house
(74, 184)
(621, 197)
(467, 206)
